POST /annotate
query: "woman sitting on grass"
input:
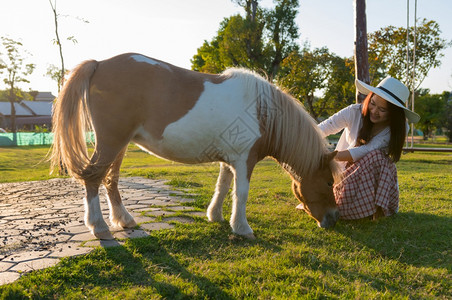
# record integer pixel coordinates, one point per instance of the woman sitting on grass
(369, 147)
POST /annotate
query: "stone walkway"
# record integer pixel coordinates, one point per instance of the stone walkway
(42, 221)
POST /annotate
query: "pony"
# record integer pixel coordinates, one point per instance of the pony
(236, 118)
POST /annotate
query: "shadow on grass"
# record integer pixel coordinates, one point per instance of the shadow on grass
(146, 263)
(141, 269)
(411, 238)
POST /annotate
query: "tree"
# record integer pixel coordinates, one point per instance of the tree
(16, 71)
(57, 41)
(241, 43)
(238, 44)
(4, 94)
(208, 59)
(322, 81)
(432, 110)
(282, 33)
(340, 91)
(387, 52)
(259, 41)
(250, 7)
(53, 71)
(361, 51)
(448, 115)
(55, 74)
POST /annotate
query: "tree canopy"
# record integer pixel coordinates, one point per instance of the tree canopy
(321, 80)
(260, 40)
(388, 52)
(16, 71)
(433, 111)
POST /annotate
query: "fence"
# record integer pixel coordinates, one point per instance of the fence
(31, 138)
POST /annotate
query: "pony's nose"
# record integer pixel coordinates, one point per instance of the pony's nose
(330, 219)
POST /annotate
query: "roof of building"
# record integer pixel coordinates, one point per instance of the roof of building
(39, 108)
(5, 109)
(45, 96)
(27, 108)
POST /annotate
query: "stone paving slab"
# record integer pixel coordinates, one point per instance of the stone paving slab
(42, 221)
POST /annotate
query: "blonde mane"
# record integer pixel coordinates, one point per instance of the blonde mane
(293, 137)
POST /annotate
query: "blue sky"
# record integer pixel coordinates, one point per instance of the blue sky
(172, 30)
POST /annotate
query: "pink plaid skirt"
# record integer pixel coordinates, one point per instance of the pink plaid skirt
(366, 184)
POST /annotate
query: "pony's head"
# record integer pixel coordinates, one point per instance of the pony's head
(292, 137)
(316, 193)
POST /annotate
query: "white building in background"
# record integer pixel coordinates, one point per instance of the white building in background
(29, 113)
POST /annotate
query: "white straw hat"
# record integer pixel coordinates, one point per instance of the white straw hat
(392, 91)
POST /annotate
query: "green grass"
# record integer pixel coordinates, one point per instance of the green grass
(24, 163)
(407, 256)
(429, 145)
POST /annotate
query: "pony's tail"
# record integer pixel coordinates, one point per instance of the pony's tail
(71, 119)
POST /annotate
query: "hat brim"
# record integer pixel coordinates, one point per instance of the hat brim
(365, 89)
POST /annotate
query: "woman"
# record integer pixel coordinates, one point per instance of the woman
(371, 144)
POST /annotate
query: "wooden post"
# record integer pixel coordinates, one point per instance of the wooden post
(361, 55)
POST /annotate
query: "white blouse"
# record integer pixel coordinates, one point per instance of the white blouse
(350, 119)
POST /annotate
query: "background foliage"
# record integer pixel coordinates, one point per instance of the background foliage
(266, 41)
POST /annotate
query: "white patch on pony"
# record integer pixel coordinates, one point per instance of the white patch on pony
(119, 216)
(93, 216)
(238, 220)
(300, 206)
(219, 125)
(142, 58)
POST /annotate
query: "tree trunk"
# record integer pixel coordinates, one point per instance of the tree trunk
(60, 47)
(310, 104)
(278, 51)
(425, 135)
(13, 109)
(361, 55)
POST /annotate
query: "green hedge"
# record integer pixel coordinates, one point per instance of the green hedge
(31, 138)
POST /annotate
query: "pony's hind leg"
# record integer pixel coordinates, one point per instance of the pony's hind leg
(215, 209)
(119, 216)
(93, 214)
(92, 176)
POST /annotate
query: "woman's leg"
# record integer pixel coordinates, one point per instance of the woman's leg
(369, 187)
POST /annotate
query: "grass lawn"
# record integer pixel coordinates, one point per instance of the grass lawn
(407, 256)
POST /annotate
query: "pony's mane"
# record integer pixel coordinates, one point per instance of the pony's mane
(292, 135)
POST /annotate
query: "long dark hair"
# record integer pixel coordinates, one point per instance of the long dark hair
(397, 125)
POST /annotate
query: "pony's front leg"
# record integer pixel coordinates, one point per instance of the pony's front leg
(215, 209)
(238, 220)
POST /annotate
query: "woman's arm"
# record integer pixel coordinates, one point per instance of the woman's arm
(380, 141)
(338, 121)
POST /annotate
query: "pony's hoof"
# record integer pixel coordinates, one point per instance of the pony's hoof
(242, 237)
(104, 235)
(123, 223)
(130, 224)
(217, 219)
(214, 216)
(249, 236)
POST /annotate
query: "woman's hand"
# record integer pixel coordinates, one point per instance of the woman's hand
(344, 156)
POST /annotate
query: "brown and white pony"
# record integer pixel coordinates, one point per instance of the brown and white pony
(236, 118)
